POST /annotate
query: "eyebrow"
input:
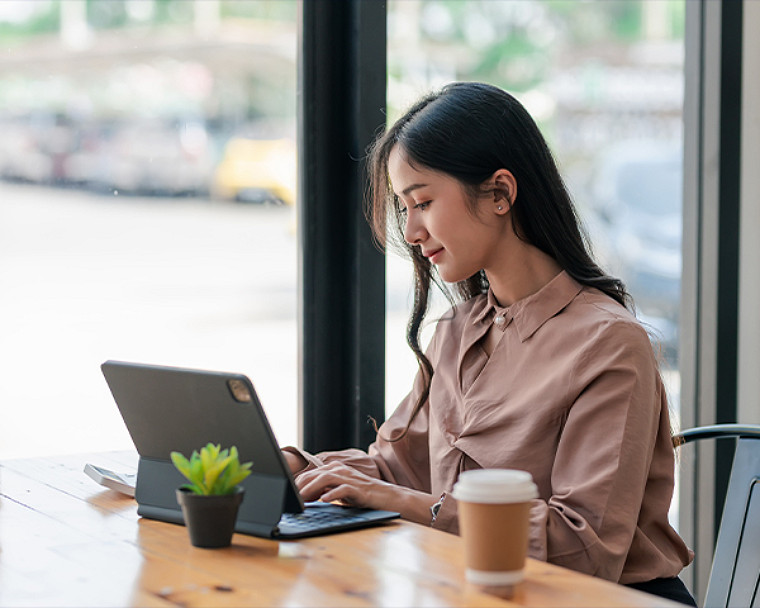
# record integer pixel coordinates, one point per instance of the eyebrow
(411, 188)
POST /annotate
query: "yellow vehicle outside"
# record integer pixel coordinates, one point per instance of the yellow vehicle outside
(257, 171)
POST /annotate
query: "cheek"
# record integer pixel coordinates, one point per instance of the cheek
(451, 225)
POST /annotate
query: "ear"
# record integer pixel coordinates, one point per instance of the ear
(504, 187)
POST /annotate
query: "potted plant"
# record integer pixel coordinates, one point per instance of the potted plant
(211, 500)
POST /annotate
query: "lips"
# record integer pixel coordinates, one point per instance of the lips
(433, 255)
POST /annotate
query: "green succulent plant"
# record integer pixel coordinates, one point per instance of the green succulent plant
(213, 471)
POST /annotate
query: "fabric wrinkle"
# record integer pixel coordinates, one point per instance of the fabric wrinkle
(569, 394)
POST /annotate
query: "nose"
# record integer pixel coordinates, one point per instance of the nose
(414, 231)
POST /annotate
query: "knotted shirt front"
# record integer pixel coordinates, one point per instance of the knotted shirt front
(570, 392)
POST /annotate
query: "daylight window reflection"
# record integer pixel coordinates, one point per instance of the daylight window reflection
(147, 180)
(604, 80)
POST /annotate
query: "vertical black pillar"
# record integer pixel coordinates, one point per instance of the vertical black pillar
(728, 240)
(341, 107)
(710, 286)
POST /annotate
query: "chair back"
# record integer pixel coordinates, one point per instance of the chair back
(735, 570)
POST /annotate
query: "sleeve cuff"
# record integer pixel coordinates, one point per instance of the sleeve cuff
(447, 518)
(312, 462)
(537, 539)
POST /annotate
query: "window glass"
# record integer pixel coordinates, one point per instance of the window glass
(147, 184)
(604, 80)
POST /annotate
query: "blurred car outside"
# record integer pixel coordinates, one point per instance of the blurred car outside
(151, 157)
(261, 171)
(161, 157)
(86, 165)
(637, 207)
(34, 147)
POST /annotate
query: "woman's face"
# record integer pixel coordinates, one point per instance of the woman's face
(440, 221)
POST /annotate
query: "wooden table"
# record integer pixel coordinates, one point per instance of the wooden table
(66, 541)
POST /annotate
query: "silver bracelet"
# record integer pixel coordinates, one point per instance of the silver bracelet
(436, 508)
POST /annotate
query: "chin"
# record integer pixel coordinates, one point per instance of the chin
(452, 277)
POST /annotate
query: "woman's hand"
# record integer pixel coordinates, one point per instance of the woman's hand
(295, 462)
(336, 482)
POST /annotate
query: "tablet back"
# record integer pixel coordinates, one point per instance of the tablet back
(170, 409)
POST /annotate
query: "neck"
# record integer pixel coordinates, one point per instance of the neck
(529, 269)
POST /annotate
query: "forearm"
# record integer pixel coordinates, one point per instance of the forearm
(413, 505)
(337, 482)
(295, 461)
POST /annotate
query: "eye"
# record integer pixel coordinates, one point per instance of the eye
(422, 206)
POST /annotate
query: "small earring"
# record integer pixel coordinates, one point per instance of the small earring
(500, 208)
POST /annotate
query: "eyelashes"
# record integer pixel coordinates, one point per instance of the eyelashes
(421, 206)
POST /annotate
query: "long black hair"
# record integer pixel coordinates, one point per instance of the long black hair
(468, 131)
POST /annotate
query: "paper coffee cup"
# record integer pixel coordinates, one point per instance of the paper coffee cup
(494, 507)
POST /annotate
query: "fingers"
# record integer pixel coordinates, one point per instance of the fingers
(334, 483)
(333, 471)
(343, 494)
(314, 484)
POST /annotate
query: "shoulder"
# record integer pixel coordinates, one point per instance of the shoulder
(597, 308)
(606, 329)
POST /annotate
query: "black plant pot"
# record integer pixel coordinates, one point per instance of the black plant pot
(210, 520)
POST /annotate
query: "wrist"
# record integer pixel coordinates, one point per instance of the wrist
(295, 461)
(435, 508)
(413, 505)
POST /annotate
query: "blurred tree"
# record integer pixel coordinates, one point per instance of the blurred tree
(280, 10)
(111, 14)
(106, 15)
(513, 43)
(44, 20)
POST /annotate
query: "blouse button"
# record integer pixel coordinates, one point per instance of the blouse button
(499, 320)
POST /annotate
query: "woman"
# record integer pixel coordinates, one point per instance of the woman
(541, 366)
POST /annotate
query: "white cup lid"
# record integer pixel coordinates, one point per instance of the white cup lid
(493, 486)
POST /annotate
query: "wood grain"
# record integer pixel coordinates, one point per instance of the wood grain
(66, 541)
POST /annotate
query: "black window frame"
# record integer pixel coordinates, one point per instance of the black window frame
(341, 107)
(342, 87)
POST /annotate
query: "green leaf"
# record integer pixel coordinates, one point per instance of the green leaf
(192, 488)
(212, 471)
(209, 455)
(196, 472)
(182, 463)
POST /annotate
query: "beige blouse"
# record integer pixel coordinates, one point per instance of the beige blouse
(572, 394)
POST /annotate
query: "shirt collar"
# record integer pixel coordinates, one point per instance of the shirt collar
(532, 312)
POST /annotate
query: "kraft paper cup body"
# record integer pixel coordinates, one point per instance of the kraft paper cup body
(494, 507)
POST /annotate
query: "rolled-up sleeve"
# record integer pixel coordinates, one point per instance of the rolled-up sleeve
(404, 461)
(603, 456)
(572, 394)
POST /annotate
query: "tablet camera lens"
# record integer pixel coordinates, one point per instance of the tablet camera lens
(240, 391)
